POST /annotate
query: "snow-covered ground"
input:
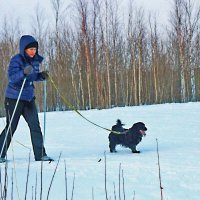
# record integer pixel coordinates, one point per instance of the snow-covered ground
(82, 145)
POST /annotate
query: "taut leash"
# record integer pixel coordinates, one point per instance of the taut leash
(74, 109)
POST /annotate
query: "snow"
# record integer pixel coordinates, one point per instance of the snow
(82, 145)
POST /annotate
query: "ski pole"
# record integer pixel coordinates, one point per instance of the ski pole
(18, 98)
(45, 105)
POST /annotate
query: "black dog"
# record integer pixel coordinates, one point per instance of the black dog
(126, 137)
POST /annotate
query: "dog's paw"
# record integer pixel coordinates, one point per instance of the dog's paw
(135, 151)
(113, 151)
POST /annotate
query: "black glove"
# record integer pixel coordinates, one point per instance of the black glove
(28, 70)
(45, 75)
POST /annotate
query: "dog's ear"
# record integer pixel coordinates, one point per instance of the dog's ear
(135, 126)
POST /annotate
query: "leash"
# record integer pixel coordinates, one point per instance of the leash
(74, 109)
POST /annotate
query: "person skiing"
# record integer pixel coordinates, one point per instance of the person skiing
(23, 66)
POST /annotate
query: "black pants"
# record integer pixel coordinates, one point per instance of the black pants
(29, 111)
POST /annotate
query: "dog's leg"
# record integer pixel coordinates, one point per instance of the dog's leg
(134, 150)
(112, 147)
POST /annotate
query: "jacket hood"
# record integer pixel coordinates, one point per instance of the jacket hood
(25, 40)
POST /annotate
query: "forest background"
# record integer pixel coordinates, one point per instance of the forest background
(99, 59)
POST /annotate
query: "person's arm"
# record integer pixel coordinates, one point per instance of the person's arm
(15, 71)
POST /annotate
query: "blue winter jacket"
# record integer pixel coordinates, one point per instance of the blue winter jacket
(16, 72)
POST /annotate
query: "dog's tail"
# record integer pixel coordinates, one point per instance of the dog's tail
(119, 122)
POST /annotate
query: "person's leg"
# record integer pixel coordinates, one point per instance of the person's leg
(31, 116)
(10, 106)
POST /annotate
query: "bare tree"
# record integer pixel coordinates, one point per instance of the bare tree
(185, 22)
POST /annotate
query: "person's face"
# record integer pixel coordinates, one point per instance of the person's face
(31, 52)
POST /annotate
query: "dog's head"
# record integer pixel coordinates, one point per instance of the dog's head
(140, 127)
